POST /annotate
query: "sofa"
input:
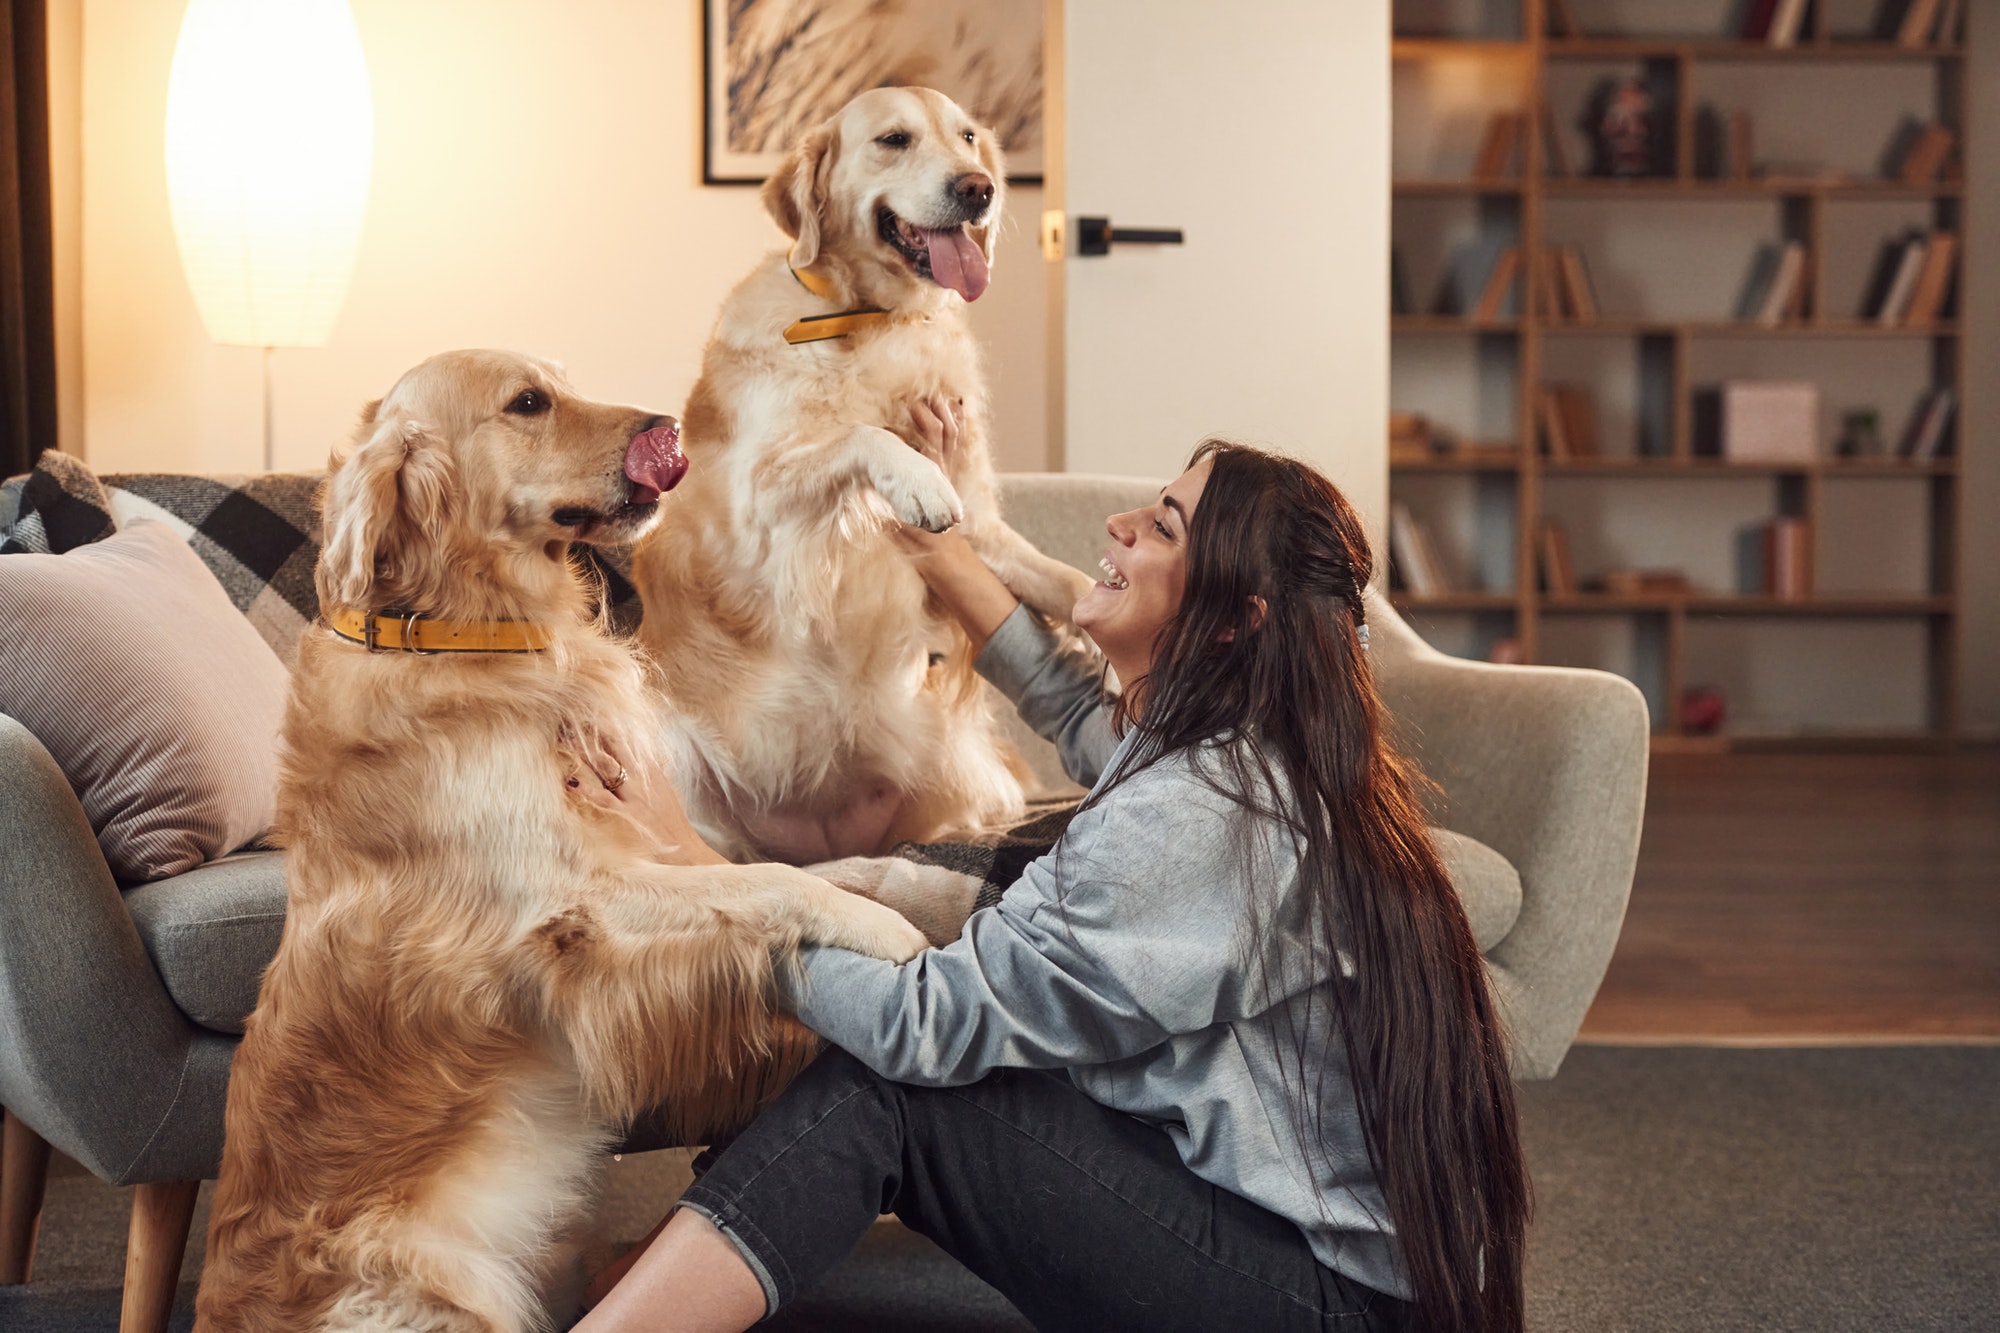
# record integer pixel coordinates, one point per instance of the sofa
(121, 1004)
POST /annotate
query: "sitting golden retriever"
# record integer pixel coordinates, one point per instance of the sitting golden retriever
(484, 975)
(831, 709)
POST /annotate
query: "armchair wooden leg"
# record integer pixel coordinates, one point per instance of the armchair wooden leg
(153, 1249)
(24, 1178)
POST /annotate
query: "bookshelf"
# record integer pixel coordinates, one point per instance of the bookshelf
(1866, 655)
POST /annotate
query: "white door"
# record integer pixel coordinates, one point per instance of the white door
(1260, 129)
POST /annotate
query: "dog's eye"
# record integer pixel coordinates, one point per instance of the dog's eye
(529, 403)
(895, 139)
(970, 137)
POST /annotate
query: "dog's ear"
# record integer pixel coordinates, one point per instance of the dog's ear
(383, 500)
(795, 193)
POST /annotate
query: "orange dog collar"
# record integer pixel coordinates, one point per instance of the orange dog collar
(399, 631)
(818, 328)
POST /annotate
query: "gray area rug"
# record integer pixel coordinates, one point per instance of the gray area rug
(1677, 1189)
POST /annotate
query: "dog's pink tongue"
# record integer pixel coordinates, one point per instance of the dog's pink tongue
(957, 263)
(654, 462)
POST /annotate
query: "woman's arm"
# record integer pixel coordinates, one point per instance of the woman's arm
(1057, 688)
(1126, 937)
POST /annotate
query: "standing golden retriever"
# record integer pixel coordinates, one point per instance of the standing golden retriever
(831, 707)
(484, 975)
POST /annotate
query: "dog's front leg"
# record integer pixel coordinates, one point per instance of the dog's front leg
(664, 974)
(791, 481)
(1043, 582)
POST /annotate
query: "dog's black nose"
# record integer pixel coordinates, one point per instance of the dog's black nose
(973, 191)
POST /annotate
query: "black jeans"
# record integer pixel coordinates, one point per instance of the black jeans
(1083, 1217)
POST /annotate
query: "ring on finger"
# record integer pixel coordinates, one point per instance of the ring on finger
(613, 784)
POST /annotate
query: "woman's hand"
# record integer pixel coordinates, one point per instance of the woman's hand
(647, 799)
(973, 593)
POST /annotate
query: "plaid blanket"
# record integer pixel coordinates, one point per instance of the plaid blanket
(259, 535)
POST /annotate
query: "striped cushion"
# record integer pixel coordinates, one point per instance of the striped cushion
(161, 703)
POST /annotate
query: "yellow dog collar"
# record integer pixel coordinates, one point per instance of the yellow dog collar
(818, 328)
(399, 631)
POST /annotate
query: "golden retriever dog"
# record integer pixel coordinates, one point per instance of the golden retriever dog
(830, 706)
(484, 975)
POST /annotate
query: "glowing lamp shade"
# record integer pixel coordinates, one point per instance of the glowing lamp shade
(269, 136)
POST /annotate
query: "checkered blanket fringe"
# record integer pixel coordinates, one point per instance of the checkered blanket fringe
(258, 534)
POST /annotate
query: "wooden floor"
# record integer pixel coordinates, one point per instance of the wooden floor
(1812, 898)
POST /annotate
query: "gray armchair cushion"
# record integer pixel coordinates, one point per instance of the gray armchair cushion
(1487, 884)
(211, 933)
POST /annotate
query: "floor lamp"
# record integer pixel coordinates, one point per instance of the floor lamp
(270, 133)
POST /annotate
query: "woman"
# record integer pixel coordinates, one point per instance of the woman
(1226, 1058)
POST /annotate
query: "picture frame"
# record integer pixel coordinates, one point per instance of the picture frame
(773, 68)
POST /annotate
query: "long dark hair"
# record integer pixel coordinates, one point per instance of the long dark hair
(1409, 997)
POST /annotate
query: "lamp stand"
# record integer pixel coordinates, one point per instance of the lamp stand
(270, 444)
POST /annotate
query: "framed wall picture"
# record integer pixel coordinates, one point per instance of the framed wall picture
(775, 68)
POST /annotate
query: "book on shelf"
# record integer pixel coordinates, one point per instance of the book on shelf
(1499, 299)
(1475, 273)
(1774, 291)
(1723, 144)
(1787, 562)
(1925, 434)
(1757, 16)
(1579, 297)
(1555, 149)
(1893, 286)
(1502, 142)
(1558, 571)
(1933, 286)
(1919, 152)
(1566, 420)
(1769, 421)
(1787, 22)
(1413, 558)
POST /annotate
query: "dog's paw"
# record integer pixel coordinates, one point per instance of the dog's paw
(880, 932)
(918, 491)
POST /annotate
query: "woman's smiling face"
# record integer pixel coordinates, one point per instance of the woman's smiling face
(1145, 574)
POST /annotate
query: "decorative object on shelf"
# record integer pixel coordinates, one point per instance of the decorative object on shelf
(775, 68)
(1566, 421)
(1775, 289)
(1558, 571)
(1623, 121)
(1766, 421)
(1925, 435)
(1787, 559)
(1703, 710)
(1413, 558)
(1860, 434)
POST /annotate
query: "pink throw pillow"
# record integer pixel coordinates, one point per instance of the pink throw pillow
(128, 662)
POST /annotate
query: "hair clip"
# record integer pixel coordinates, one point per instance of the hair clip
(1361, 633)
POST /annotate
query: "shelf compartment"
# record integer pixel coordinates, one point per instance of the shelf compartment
(1652, 189)
(1718, 49)
(1737, 604)
(1621, 327)
(1716, 467)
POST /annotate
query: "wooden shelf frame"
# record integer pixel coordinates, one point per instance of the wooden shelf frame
(1803, 204)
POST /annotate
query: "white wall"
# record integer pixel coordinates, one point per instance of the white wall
(536, 185)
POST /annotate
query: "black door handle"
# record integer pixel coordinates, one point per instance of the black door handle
(1095, 235)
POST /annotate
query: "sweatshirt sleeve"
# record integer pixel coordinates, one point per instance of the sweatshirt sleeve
(1058, 690)
(1102, 950)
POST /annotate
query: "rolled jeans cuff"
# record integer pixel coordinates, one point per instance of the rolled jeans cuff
(738, 1231)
